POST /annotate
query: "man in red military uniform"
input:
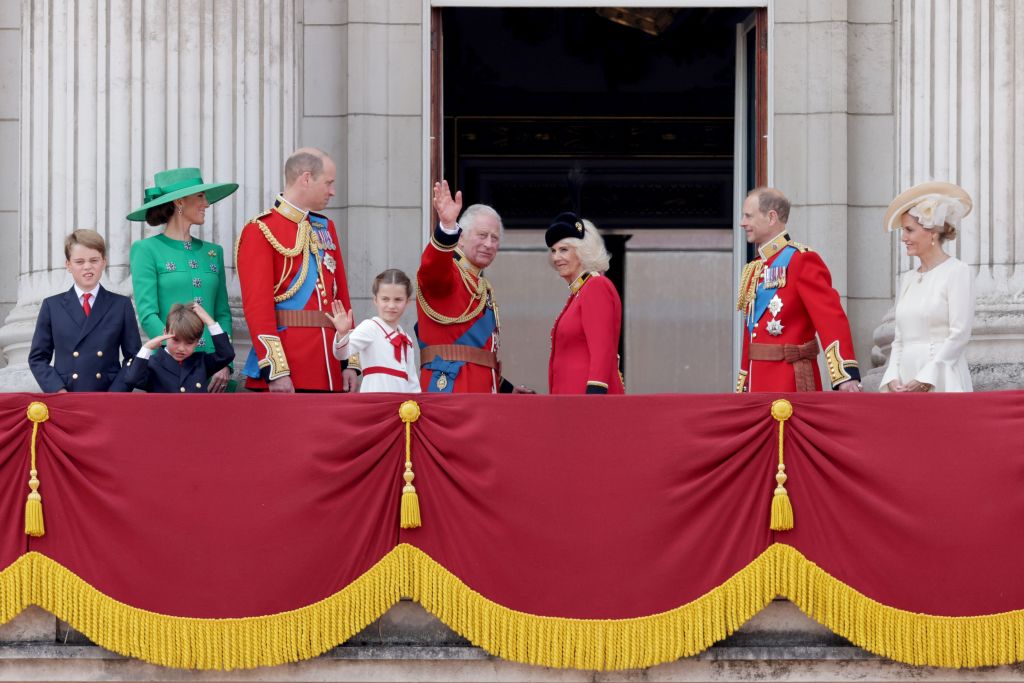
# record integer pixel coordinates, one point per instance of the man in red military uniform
(457, 313)
(786, 298)
(290, 270)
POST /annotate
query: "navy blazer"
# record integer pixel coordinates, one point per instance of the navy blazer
(161, 374)
(84, 349)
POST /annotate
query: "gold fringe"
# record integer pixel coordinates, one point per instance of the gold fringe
(782, 508)
(191, 643)
(595, 644)
(409, 518)
(599, 644)
(34, 523)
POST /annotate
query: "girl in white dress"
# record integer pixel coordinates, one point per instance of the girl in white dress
(935, 303)
(385, 350)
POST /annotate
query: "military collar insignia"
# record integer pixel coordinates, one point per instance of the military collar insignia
(774, 246)
(466, 264)
(289, 210)
(578, 283)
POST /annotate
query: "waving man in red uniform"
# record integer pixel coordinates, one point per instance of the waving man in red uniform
(457, 313)
(786, 298)
(290, 269)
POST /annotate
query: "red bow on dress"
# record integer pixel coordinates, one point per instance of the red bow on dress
(400, 341)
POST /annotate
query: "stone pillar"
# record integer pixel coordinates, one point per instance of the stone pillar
(113, 91)
(961, 103)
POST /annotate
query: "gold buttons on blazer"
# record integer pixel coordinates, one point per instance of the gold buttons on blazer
(74, 376)
(100, 354)
(75, 354)
(183, 390)
(99, 375)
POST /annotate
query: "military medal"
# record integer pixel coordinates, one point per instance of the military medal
(774, 277)
(442, 382)
(775, 305)
(329, 262)
(775, 327)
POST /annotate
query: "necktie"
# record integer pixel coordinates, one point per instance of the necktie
(400, 341)
(85, 303)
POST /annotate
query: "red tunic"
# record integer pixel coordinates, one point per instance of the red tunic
(585, 339)
(809, 305)
(440, 282)
(306, 352)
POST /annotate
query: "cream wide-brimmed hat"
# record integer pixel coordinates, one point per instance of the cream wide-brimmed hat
(936, 203)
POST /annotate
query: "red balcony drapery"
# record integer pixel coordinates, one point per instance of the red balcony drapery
(589, 532)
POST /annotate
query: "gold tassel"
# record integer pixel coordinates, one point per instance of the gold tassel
(410, 518)
(782, 508)
(34, 525)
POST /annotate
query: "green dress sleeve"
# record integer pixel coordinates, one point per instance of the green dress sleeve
(144, 286)
(222, 312)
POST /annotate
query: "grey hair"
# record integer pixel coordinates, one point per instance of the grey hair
(305, 159)
(468, 218)
(590, 250)
(771, 199)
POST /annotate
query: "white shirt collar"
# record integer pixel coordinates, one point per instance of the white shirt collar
(94, 291)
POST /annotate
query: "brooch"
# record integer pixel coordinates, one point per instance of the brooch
(212, 253)
(170, 266)
(197, 282)
(213, 267)
(775, 327)
(193, 264)
(187, 245)
(198, 300)
(775, 305)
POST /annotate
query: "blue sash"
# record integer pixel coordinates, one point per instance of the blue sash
(477, 335)
(764, 296)
(296, 302)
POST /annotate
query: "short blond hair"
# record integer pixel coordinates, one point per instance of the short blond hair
(184, 323)
(90, 239)
(590, 249)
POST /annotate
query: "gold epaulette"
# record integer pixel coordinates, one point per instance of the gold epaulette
(801, 247)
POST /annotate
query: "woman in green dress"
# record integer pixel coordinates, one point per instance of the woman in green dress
(175, 267)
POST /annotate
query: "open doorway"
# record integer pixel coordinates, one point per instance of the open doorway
(631, 116)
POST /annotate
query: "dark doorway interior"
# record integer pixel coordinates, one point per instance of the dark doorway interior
(531, 94)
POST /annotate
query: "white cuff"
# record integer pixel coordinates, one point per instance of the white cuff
(144, 353)
(215, 329)
(453, 231)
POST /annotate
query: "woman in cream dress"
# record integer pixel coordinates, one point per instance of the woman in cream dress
(935, 302)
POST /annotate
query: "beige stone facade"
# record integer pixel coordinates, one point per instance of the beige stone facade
(866, 97)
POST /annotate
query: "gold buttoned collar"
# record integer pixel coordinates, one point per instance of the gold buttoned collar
(466, 264)
(774, 245)
(289, 210)
(578, 283)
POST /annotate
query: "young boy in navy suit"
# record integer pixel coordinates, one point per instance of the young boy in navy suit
(83, 329)
(177, 368)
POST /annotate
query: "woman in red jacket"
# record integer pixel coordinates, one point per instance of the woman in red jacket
(585, 338)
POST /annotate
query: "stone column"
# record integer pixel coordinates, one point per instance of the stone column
(113, 91)
(961, 104)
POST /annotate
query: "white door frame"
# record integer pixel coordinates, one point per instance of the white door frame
(425, 52)
(739, 159)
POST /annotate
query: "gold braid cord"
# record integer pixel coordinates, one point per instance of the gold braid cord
(480, 293)
(748, 284)
(304, 242)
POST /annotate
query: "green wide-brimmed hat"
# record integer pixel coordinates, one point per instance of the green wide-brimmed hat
(177, 183)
